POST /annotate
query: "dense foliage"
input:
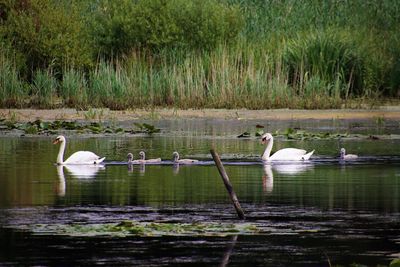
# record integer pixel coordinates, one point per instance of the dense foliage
(197, 53)
(123, 26)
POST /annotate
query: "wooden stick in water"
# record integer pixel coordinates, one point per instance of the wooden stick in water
(227, 184)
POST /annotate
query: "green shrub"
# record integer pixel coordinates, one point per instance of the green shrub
(47, 33)
(122, 26)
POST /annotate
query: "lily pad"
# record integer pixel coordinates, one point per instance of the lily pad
(245, 134)
(147, 128)
(395, 263)
(259, 132)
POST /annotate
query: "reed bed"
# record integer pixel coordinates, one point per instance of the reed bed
(43, 89)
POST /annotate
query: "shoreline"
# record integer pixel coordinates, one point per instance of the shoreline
(25, 115)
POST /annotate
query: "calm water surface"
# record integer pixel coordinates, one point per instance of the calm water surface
(321, 212)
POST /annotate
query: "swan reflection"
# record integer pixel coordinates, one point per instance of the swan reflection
(84, 171)
(268, 179)
(142, 167)
(78, 171)
(292, 169)
(175, 169)
(61, 181)
(285, 169)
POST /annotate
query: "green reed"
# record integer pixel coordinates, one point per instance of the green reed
(12, 91)
(107, 87)
(228, 77)
(74, 88)
(43, 89)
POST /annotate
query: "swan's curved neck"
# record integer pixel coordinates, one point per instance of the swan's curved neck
(60, 157)
(268, 149)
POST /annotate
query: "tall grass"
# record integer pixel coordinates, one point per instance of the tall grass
(311, 71)
(325, 58)
(228, 77)
(74, 88)
(107, 86)
(43, 89)
(12, 91)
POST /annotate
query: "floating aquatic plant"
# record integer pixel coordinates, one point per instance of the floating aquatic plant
(295, 134)
(134, 228)
(245, 134)
(44, 127)
(259, 132)
(395, 263)
(146, 128)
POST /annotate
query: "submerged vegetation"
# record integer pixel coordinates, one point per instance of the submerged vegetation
(198, 53)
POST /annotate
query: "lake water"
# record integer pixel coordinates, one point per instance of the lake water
(318, 213)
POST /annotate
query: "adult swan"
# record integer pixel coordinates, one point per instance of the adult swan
(291, 154)
(79, 157)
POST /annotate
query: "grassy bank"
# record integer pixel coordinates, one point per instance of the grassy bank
(296, 54)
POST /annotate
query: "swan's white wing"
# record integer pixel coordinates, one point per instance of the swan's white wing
(84, 157)
(289, 154)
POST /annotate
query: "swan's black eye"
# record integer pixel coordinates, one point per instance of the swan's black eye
(264, 139)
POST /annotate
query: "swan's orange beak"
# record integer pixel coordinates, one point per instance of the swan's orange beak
(263, 140)
(56, 141)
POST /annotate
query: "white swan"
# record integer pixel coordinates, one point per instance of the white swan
(80, 157)
(345, 156)
(291, 154)
(176, 159)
